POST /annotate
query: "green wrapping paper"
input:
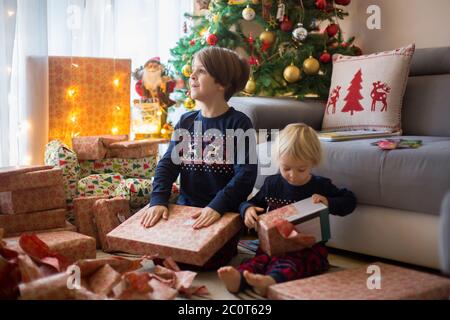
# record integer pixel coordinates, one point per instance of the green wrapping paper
(99, 185)
(137, 191)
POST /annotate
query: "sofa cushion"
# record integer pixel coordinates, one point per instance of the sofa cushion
(408, 179)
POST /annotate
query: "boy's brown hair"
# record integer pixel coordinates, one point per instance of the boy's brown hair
(226, 67)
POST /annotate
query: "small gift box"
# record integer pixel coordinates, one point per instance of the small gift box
(19, 180)
(137, 191)
(99, 185)
(32, 200)
(84, 216)
(95, 147)
(378, 281)
(134, 149)
(18, 223)
(174, 237)
(73, 246)
(109, 214)
(309, 218)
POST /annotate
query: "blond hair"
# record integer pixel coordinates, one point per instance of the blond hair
(300, 142)
(226, 67)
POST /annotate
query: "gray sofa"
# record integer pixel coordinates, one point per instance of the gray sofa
(399, 192)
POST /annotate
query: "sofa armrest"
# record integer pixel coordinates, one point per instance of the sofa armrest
(276, 113)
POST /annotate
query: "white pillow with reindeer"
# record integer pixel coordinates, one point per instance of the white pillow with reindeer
(367, 91)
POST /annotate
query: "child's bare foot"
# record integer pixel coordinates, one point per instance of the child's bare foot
(231, 278)
(259, 282)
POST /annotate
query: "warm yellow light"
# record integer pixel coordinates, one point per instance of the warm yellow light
(154, 128)
(75, 65)
(11, 13)
(115, 130)
(116, 82)
(73, 119)
(71, 92)
(203, 31)
(118, 108)
(159, 113)
(163, 131)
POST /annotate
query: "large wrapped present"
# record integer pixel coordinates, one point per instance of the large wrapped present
(19, 180)
(143, 168)
(378, 281)
(73, 246)
(84, 216)
(32, 200)
(308, 218)
(99, 185)
(8, 176)
(93, 101)
(59, 155)
(137, 191)
(95, 147)
(109, 214)
(174, 237)
(18, 223)
(134, 149)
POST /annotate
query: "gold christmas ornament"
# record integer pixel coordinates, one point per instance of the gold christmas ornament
(189, 103)
(311, 66)
(186, 70)
(250, 87)
(267, 37)
(292, 73)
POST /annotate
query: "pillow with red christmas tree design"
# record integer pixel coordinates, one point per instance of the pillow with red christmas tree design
(367, 91)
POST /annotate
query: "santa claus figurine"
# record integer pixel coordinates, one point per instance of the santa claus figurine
(153, 85)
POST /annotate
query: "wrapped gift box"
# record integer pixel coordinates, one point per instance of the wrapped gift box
(109, 214)
(174, 237)
(67, 227)
(143, 168)
(84, 216)
(99, 185)
(32, 179)
(396, 283)
(99, 86)
(96, 147)
(18, 223)
(74, 246)
(8, 175)
(32, 200)
(59, 155)
(134, 149)
(309, 218)
(137, 191)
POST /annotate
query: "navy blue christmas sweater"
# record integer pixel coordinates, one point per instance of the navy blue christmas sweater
(210, 173)
(277, 192)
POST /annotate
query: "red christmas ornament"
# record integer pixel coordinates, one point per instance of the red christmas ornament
(192, 42)
(212, 39)
(342, 2)
(251, 40)
(321, 4)
(286, 25)
(325, 57)
(265, 46)
(252, 61)
(344, 45)
(139, 89)
(332, 29)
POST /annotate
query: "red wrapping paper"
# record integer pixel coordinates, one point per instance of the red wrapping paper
(67, 227)
(84, 216)
(32, 179)
(17, 223)
(174, 237)
(95, 147)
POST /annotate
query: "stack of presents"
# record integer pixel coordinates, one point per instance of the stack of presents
(57, 217)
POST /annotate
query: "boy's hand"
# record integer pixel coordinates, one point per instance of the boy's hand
(205, 218)
(251, 216)
(153, 215)
(318, 198)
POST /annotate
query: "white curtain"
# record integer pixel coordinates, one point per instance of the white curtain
(24, 82)
(30, 30)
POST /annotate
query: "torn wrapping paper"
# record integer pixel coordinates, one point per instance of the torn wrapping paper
(137, 191)
(18, 223)
(99, 185)
(310, 220)
(143, 168)
(32, 200)
(94, 147)
(109, 214)
(84, 216)
(174, 237)
(28, 177)
(394, 283)
(103, 280)
(134, 149)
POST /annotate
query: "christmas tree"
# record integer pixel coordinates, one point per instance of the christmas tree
(354, 95)
(289, 55)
